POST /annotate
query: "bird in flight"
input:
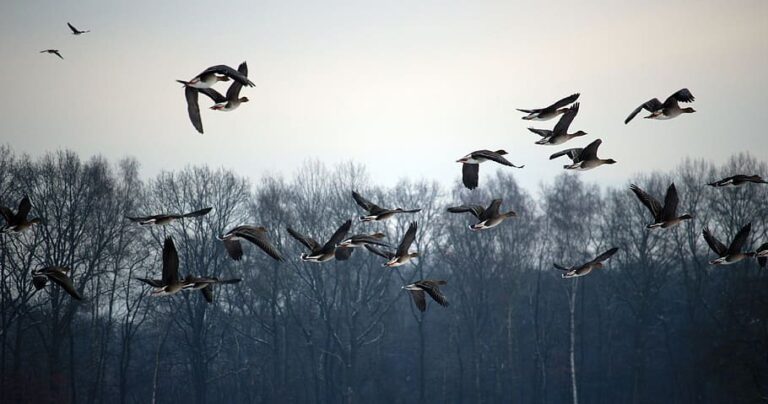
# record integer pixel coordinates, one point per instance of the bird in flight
(583, 159)
(663, 217)
(586, 268)
(76, 31)
(733, 253)
(668, 110)
(488, 217)
(470, 167)
(53, 52)
(375, 212)
(431, 287)
(545, 114)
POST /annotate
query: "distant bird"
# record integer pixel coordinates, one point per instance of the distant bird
(544, 114)
(59, 276)
(762, 255)
(375, 212)
(738, 180)
(319, 253)
(255, 234)
(170, 283)
(431, 287)
(205, 285)
(76, 31)
(668, 110)
(402, 255)
(732, 254)
(488, 217)
(471, 165)
(164, 218)
(347, 246)
(214, 74)
(559, 134)
(586, 268)
(53, 52)
(18, 222)
(662, 217)
(583, 159)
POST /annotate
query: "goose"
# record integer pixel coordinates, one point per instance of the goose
(738, 180)
(205, 285)
(347, 246)
(471, 165)
(731, 254)
(662, 217)
(488, 217)
(18, 222)
(544, 114)
(325, 252)
(59, 276)
(233, 99)
(255, 234)
(170, 283)
(375, 212)
(559, 134)
(586, 268)
(165, 218)
(431, 287)
(76, 31)
(402, 255)
(212, 75)
(583, 159)
(668, 110)
(53, 52)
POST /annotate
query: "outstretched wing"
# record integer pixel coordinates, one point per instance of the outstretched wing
(61, 279)
(670, 203)
(565, 101)
(170, 263)
(475, 210)
(741, 237)
(434, 292)
(193, 108)
(234, 249)
(364, 203)
(213, 95)
(541, 132)
(381, 253)
(156, 283)
(259, 238)
(7, 214)
(590, 152)
(604, 256)
(470, 175)
(24, 207)
(343, 253)
(492, 210)
(682, 95)
(573, 154)
(719, 248)
(405, 244)
(307, 241)
(419, 299)
(650, 202)
(234, 89)
(229, 72)
(197, 213)
(493, 156)
(565, 121)
(650, 106)
(339, 235)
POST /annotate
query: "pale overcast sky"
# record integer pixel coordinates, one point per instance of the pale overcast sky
(405, 87)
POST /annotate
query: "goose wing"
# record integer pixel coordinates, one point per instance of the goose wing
(60, 278)
(670, 203)
(419, 299)
(259, 238)
(492, 210)
(233, 92)
(156, 283)
(197, 213)
(651, 105)
(565, 120)
(431, 287)
(493, 156)
(541, 132)
(565, 101)
(682, 95)
(650, 202)
(339, 235)
(470, 175)
(364, 203)
(7, 214)
(229, 72)
(407, 240)
(343, 253)
(604, 256)
(308, 242)
(714, 244)
(170, 263)
(193, 108)
(213, 95)
(741, 238)
(476, 210)
(590, 152)
(24, 207)
(381, 253)
(573, 154)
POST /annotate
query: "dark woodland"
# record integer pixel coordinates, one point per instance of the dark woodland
(657, 324)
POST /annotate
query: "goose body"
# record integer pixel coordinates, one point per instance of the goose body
(587, 267)
(488, 217)
(583, 159)
(544, 114)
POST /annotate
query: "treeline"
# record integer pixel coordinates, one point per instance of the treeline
(658, 324)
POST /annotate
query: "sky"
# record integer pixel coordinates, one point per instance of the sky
(403, 87)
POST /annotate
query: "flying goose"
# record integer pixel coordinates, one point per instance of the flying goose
(431, 287)
(738, 180)
(662, 217)
(586, 268)
(205, 285)
(375, 212)
(170, 283)
(59, 276)
(544, 114)
(255, 234)
(559, 134)
(18, 222)
(583, 159)
(76, 31)
(471, 164)
(668, 110)
(53, 52)
(214, 74)
(347, 246)
(731, 254)
(165, 218)
(488, 217)
(402, 255)
(325, 252)
(233, 99)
